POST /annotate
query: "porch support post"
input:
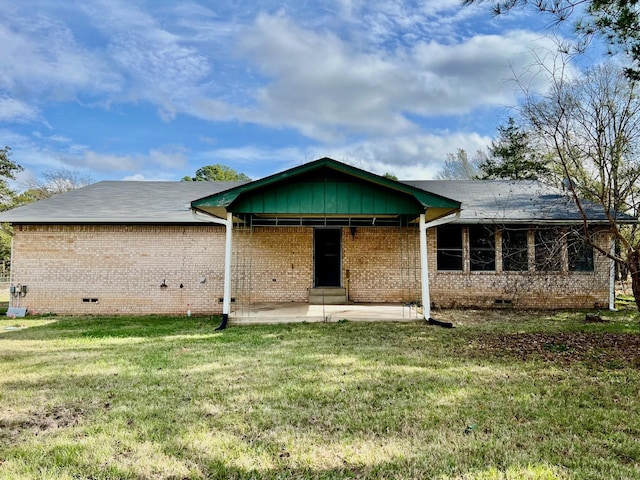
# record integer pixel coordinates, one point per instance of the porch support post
(424, 268)
(226, 302)
(226, 289)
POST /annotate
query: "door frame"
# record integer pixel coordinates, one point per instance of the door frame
(338, 230)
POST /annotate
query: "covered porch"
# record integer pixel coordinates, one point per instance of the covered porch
(327, 206)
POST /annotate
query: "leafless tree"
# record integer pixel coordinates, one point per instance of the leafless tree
(458, 166)
(54, 182)
(591, 127)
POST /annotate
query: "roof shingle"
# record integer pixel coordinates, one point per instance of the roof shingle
(169, 202)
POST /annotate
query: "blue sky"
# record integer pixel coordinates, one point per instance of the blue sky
(153, 90)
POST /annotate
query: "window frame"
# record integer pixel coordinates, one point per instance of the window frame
(513, 252)
(482, 248)
(451, 250)
(521, 248)
(579, 252)
(548, 241)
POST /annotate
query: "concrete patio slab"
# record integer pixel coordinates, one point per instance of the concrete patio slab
(272, 313)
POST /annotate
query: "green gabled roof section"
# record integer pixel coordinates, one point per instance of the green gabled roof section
(325, 187)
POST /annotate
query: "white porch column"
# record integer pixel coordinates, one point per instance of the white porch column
(612, 277)
(424, 268)
(226, 303)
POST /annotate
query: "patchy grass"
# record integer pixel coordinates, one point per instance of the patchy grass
(504, 395)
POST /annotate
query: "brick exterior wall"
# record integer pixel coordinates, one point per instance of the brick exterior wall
(531, 289)
(123, 267)
(272, 264)
(115, 269)
(381, 264)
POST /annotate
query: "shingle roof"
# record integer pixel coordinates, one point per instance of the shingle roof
(169, 202)
(510, 201)
(120, 202)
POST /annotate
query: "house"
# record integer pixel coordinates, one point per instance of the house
(323, 231)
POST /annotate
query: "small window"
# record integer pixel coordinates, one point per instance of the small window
(548, 249)
(450, 247)
(482, 248)
(515, 252)
(580, 252)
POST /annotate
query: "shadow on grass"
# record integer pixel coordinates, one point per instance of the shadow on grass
(396, 468)
(42, 328)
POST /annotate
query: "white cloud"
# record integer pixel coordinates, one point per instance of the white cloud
(16, 111)
(251, 159)
(170, 158)
(321, 86)
(101, 162)
(53, 138)
(138, 177)
(40, 60)
(159, 160)
(157, 65)
(415, 156)
(371, 82)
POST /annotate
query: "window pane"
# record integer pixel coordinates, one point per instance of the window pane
(482, 248)
(580, 253)
(548, 250)
(515, 252)
(449, 247)
(450, 236)
(449, 260)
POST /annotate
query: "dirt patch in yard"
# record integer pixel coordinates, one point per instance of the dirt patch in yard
(607, 350)
(38, 421)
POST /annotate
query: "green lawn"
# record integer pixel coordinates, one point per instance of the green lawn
(501, 396)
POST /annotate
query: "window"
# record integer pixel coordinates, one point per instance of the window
(449, 247)
(548, 249)
(515, 252)
(580, 252)
(482, 248)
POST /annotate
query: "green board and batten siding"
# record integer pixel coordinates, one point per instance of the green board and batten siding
(327, 198)
(326, 187)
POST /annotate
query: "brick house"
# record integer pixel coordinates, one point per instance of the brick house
(323, 231)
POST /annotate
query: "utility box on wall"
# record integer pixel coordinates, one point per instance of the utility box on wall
(16, 312)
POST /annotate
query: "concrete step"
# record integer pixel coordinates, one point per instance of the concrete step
(328, 296)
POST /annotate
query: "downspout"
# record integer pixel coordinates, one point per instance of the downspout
(424, 269)
(11, 276)
(612, 277)
(226, 301)
(424, 264)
